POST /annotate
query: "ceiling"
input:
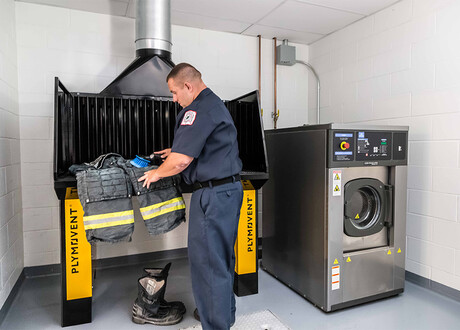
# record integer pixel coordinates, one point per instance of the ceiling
(301, 21)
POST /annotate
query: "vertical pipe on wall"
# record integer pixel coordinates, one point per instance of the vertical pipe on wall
(318, 88)
(260, 71)
(275, 111)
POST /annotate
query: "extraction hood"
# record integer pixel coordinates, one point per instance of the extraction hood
(146, 75)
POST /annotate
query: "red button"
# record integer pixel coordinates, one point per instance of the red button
(344, 145)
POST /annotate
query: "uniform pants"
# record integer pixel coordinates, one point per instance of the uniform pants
(213, 226)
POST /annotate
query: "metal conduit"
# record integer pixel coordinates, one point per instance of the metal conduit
(318, 87)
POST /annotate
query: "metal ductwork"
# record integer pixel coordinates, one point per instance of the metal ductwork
(146, 75)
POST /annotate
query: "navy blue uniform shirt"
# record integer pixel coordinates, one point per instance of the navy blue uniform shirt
(205, 131)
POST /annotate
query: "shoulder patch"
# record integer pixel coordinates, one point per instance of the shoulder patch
(189, 118)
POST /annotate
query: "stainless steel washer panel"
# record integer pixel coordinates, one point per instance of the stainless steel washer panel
(374, 172)
(294, 200)
(368, 273)
(366, 242)
(337, 202)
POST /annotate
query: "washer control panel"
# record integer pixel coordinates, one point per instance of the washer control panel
(373, 145)
(367, 147)
(344, 146)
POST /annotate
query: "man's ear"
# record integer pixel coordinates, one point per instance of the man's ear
(188, 86)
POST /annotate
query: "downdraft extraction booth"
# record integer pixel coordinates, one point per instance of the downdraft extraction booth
(89, 125)
(135, 115)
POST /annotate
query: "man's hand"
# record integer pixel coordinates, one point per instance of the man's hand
(163, 153)
(173, 164)
(149, 177)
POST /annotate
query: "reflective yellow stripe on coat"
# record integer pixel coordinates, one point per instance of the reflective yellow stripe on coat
(156, 210)
(108, 219)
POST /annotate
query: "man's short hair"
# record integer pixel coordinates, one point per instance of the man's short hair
(184, 72)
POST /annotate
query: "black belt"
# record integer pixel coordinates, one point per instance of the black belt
(214, 183)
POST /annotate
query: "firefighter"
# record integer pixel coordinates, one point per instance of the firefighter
(205, 152)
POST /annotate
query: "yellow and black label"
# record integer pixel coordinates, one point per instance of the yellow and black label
(247, 185)
(245, 246)
(77, 250)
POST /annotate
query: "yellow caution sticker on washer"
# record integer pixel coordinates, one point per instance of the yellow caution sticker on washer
(357, 216)
(389, 252)
(336, 183)
(336, 261)
(348, 259)
(399, 251)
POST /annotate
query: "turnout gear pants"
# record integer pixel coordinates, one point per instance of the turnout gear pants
(161, 204)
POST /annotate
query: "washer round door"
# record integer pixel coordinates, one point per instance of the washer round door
(364, 208)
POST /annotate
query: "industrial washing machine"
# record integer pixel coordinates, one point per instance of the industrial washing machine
(334, 212)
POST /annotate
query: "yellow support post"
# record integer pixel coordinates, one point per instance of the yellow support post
(75, 263)
(246, 280)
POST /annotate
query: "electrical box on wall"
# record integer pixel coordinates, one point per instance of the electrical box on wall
(285, 55)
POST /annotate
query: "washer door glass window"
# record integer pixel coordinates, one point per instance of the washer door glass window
(364, 204)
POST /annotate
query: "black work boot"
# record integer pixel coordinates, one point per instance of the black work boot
(161, 274)
(148, 308)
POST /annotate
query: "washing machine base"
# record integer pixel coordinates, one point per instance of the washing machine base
(365, 300)
(343, 305)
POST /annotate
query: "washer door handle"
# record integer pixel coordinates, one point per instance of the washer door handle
(389, 205)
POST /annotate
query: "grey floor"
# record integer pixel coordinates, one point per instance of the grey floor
(37, 306)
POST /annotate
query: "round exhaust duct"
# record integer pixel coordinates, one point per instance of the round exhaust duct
(153, 26)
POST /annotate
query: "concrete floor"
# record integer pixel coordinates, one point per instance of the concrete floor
(37, 306)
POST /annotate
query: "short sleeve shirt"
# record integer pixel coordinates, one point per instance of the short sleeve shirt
(205, 131)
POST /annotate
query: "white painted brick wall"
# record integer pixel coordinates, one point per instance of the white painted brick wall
(420, 177)
(87, 51)
(11, 242)
(447, 233)
(436, 101)
(418, 268)
(413, 47)
(457, 263)
(419, 226)
(445, 127)
(433, 204)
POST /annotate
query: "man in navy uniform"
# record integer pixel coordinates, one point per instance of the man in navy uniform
(205, 151)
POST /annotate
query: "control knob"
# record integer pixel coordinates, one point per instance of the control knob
(344, 145)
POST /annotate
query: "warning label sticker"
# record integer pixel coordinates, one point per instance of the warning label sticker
(336, 183)
(335, 278)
